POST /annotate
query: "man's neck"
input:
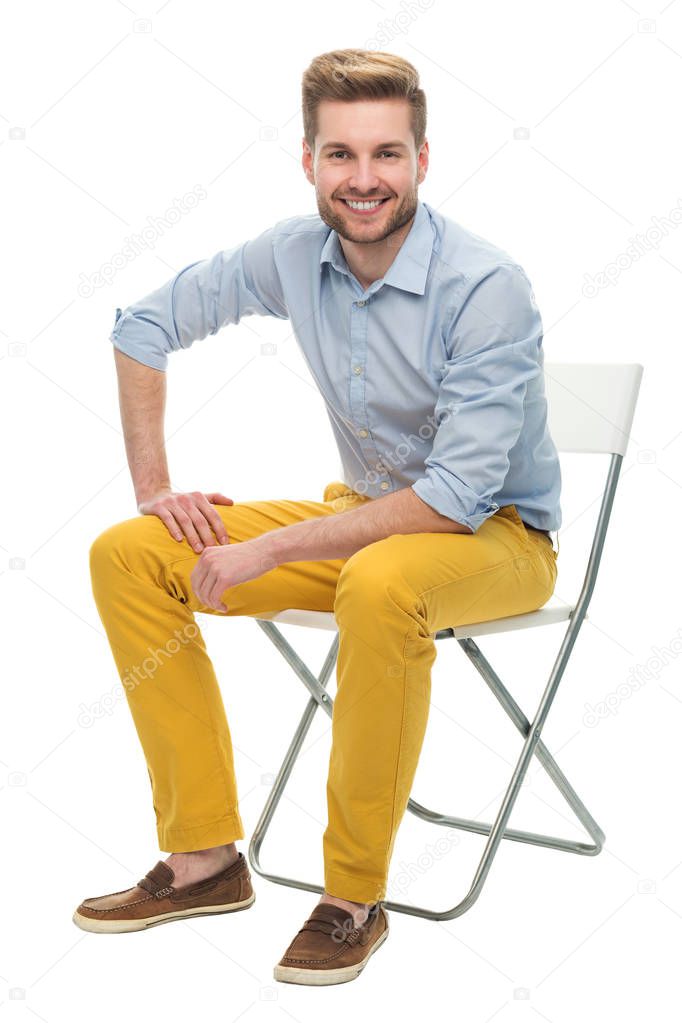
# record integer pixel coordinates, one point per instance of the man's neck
(369, 261)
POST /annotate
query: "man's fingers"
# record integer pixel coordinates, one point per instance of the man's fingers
(198, 578)
(215, 594)
(203, 528)
(187, 526)
(195, 525)
(219, 498)
(213, 518)
(170, 523)
(191, 516)
(207, 585)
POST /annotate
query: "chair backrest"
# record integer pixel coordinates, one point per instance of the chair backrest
(590, 406)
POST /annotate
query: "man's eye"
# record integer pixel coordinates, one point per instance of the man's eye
(385, 152)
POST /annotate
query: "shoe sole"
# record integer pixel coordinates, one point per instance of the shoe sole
(294, 975)
(86, 923)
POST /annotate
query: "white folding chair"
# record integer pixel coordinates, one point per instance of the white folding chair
(590, 410)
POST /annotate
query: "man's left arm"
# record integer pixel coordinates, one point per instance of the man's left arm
(340, 535)
(326, 537)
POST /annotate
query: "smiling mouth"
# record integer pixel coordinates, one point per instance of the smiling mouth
(365, 206)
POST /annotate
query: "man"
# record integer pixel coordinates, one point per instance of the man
(426, 344)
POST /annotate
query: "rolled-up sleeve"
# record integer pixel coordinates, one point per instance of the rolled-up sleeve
(199, 300)
(494, 351)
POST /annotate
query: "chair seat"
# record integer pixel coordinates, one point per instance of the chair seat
(554, 610)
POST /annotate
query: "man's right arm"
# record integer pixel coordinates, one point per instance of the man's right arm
(196, 302)
(199, 300)
(142, 401)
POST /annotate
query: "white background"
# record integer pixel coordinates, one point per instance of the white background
(105, 120)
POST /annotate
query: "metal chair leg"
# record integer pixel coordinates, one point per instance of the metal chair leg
(496, 831)
(319, 697)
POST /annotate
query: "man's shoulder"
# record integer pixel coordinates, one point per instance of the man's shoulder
(306, 226)
(462, 252)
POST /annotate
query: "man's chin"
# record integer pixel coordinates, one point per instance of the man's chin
(364, 233)
(351, 227)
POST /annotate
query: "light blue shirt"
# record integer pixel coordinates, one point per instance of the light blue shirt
(432, 376)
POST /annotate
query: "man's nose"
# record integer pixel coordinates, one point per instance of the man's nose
(363, 179)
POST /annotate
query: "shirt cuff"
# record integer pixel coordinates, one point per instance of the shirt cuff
(139, 348)
(462, 505)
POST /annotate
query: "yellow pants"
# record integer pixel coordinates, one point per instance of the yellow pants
(389, 599)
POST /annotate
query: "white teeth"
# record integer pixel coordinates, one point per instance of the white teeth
(363, 205)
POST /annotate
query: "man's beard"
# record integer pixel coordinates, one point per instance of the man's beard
(403, 213)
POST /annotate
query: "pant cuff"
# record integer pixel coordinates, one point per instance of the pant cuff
(222, 831)
(353, 887)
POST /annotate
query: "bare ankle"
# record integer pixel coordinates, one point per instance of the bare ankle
(203, 860)
(213, 851)
(360, 910)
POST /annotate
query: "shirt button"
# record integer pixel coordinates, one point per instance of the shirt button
(362, 433)
(384, 485)
(357, 369)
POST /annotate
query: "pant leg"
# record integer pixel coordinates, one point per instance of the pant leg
(392, 596)
(141, 585)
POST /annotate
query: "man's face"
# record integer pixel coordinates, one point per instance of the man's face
(353, 161)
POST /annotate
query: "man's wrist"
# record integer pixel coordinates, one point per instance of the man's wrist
(270, 548)
(146, 493)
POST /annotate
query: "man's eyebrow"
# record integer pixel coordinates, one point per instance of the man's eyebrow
(383, 145)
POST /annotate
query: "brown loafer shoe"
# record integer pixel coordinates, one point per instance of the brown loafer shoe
(154, 900)
(330, 949)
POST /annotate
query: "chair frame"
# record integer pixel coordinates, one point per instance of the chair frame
(530, 729)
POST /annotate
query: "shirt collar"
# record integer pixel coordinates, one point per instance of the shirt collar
(409, 268)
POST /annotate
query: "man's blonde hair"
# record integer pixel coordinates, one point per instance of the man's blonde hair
(361, 74)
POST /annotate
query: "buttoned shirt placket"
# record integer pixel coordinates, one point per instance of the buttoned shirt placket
(359, 319)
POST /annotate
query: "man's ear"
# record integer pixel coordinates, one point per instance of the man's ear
(422, 161)
(307, 160)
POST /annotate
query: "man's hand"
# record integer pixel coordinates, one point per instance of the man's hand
(218, 568)
(189, 515)
(325, 536)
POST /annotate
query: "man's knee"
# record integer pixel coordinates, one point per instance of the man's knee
(371, 576)
(116, 541)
